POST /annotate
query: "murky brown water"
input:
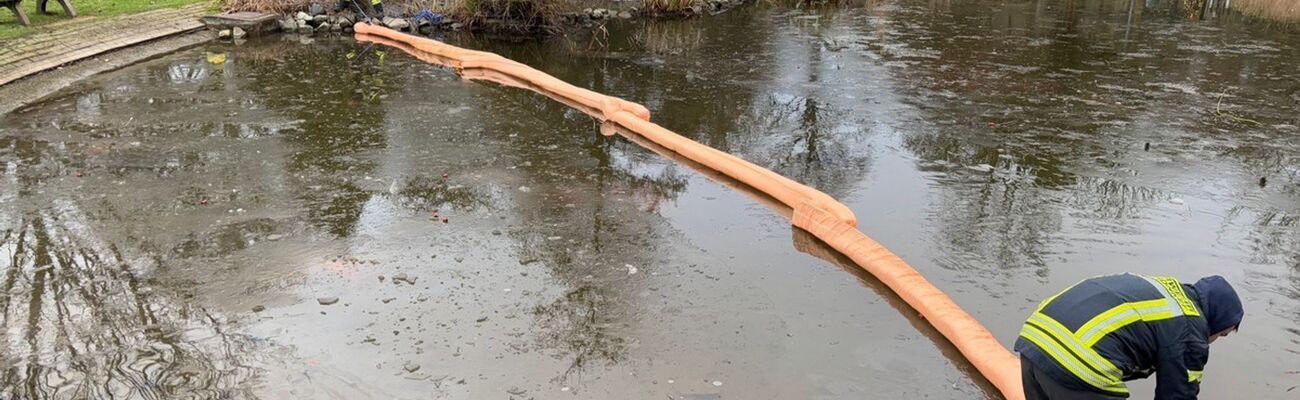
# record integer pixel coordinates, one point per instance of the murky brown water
(998, 147)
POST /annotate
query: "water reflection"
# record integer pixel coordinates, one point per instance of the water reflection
(601, 240)
(1017, 128)
(590, 233)
(1049, 96)
(576, 327)
(80, 320)
(332, 133)
(667, 37)
(189, 73)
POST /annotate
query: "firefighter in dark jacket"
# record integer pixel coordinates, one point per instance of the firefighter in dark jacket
(1086, 341)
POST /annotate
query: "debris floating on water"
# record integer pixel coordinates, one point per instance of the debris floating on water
(402, 277)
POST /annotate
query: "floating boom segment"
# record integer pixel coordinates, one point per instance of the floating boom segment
(813, 211)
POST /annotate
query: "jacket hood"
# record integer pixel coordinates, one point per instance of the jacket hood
(1219, 303)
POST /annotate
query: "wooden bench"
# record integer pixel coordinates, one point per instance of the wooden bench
(14, 5)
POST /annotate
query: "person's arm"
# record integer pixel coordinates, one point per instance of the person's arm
(1179, 369)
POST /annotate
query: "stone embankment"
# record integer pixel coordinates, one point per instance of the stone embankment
(316, 20)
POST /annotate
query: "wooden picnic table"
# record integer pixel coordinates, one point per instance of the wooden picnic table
(14, 5)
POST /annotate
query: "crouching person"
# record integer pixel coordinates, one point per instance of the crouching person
(1086, 341)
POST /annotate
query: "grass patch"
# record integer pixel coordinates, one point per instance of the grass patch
(86, 9)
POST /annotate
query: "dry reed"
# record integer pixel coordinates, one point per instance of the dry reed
(505, 15)
(267, 6)
(1281, 10)
(668, 6)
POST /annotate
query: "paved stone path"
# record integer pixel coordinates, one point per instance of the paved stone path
(84, 37)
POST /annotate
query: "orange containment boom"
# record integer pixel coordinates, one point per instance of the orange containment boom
(814, 211)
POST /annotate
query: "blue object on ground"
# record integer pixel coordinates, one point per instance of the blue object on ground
(426, 15)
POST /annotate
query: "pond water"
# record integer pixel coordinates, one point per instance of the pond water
(318, 218)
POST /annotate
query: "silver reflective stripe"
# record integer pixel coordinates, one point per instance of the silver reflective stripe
(1173, 303)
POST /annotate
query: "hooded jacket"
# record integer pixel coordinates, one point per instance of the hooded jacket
(1108, 330)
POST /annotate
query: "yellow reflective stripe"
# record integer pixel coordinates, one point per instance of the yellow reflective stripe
(1097, 332)
(1086, 353)
(1194, 376)
(1061, 356)
(1068, 361)
(1073, 352)
(1122, 315)
(1159, 315)
(1125, 308)
(1174, 290)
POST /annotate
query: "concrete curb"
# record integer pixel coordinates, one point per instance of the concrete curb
(32, 89)
(33, 54)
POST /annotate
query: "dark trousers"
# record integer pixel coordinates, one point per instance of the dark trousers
(1039, 386)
